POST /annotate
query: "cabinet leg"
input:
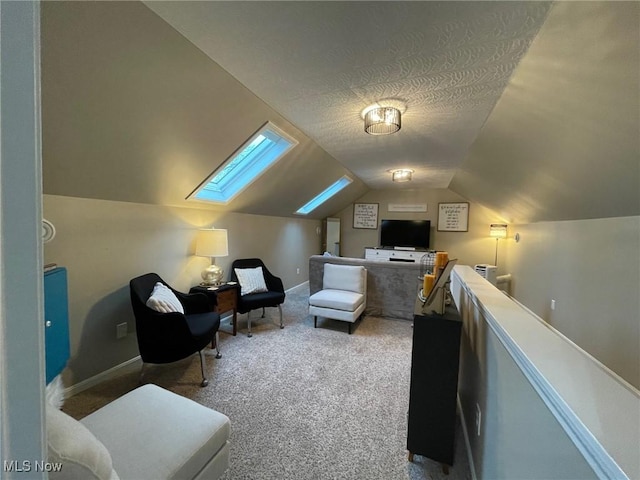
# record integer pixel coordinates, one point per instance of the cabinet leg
(410, 457)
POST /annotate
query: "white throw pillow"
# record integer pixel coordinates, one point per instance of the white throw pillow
(71, 444)
(163, 300)
(54, 392)
(251, 280)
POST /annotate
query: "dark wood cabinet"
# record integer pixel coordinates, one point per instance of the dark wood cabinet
(434, 385)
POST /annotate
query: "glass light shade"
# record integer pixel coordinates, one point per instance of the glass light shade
(401, 175)
(382, 121)
(498, 230)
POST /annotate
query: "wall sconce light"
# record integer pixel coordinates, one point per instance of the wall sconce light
(403, 175)
(212, 243)
(382, 121)
(497, 231)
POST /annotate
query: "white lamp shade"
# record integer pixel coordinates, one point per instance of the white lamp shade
(498, 230)
(212, 243)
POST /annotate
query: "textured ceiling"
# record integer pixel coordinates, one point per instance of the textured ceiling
(320, 64)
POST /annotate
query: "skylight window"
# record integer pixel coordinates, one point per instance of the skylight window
(325, 195)
(250, 161)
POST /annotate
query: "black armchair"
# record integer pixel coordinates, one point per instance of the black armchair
(273, 297)
(169, 337)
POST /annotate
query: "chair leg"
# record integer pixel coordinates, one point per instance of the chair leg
(315, 322)
(249, 334)
(262, 312)
(217, 342)
(205, 382)
(349, 323)
(280, 308)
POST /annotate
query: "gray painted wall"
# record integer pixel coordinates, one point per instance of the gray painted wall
(591, 268)
(104, 244)
(470, 248)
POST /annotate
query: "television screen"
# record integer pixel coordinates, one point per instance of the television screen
(405, 233)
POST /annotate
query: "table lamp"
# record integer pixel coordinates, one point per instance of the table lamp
(212, 243)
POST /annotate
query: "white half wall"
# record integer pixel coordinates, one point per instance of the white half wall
(547, 408)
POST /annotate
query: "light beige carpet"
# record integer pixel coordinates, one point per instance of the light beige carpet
(304, 403)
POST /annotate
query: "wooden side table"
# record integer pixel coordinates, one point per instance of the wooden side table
(224, 298)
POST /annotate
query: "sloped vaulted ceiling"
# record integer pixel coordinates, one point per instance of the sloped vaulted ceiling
(537, 123)
(134, 112)
(444, 64)
(563, 141)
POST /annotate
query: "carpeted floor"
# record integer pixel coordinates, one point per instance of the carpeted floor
(304, 403)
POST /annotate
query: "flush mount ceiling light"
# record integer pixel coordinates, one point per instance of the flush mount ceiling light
(402, 175)
(382, 121)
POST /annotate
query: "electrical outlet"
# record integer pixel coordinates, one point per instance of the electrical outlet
(553, 304)
(121, 330)
(478, 419)
(297, 271)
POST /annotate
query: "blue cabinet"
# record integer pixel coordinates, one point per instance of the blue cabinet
(56, 322)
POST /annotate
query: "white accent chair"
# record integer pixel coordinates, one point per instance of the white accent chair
(343, 295)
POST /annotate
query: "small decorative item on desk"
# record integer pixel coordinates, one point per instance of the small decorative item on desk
(427, 274)
(432, 298)
(427, 285)
(441, 261)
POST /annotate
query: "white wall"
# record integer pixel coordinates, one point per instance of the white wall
(591, 268)
(104, 244)
(22, 375)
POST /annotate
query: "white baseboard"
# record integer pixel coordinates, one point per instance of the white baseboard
(121, 369)
(300, 285)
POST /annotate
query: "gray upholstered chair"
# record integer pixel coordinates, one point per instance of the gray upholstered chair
(343, 295)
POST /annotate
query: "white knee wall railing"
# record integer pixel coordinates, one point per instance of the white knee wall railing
(547, 408)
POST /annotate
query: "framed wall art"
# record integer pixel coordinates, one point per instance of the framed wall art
(365, 215)
(453, 217)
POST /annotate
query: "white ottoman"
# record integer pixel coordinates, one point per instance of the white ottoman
(149, 433)
(153, 433)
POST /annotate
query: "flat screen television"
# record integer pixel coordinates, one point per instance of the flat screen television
(405, 233)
